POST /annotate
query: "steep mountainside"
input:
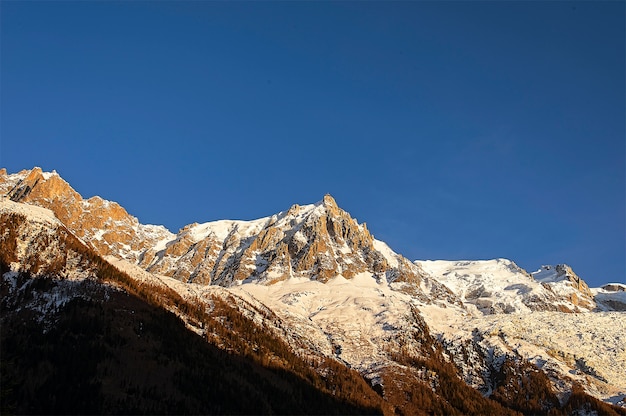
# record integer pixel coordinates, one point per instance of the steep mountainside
(79, 336)
(130, 355)
(315, 241)
(331, 299)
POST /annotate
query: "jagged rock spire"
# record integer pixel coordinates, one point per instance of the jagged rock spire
(329, 201)
(104, 224)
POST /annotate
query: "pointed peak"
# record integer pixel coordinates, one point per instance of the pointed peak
(34, 174)
(329, 201)
(330, 206)
(37, 185)
(294, 210)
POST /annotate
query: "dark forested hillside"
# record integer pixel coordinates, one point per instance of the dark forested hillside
(126, 356)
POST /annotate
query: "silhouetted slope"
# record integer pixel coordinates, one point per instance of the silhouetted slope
(126, 356)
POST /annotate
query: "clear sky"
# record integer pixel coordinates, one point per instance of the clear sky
(456, 130)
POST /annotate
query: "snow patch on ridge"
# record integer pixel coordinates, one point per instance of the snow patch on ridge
(48, 175)
(387, 252)
(548, 274)
(32, 212)
(500, 286)
(223, 228)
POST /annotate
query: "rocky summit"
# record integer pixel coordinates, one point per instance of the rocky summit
(309, 292)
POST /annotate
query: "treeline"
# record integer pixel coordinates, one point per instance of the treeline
(519, 387)
(227, 328)
(126, 356)
(581, 403)
(430, 385)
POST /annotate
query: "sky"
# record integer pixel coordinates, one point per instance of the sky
(456, 130)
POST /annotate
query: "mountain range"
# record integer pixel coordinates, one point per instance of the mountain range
(303, 311)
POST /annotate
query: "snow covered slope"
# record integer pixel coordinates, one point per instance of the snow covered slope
(317, 241)
(611, 296)
(35, 214)
(500, 286)
(517, 314)
(360, 321)
(33, 240)
(589, 348)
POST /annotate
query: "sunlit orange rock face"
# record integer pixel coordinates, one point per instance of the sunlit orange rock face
(103, 224)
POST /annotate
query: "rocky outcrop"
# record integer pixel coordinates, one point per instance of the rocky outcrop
(565, 283)
(105, 225)
(33, 241)
(566, 272)
(49, 191)
(611, 296)
(614, 287)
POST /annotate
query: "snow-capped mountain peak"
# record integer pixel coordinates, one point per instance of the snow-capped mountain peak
(316, 241)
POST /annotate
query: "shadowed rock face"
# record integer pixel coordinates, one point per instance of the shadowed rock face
(614, 287)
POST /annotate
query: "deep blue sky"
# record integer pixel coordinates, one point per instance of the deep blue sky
(468, 130)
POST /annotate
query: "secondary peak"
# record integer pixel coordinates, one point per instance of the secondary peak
(329, 201)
